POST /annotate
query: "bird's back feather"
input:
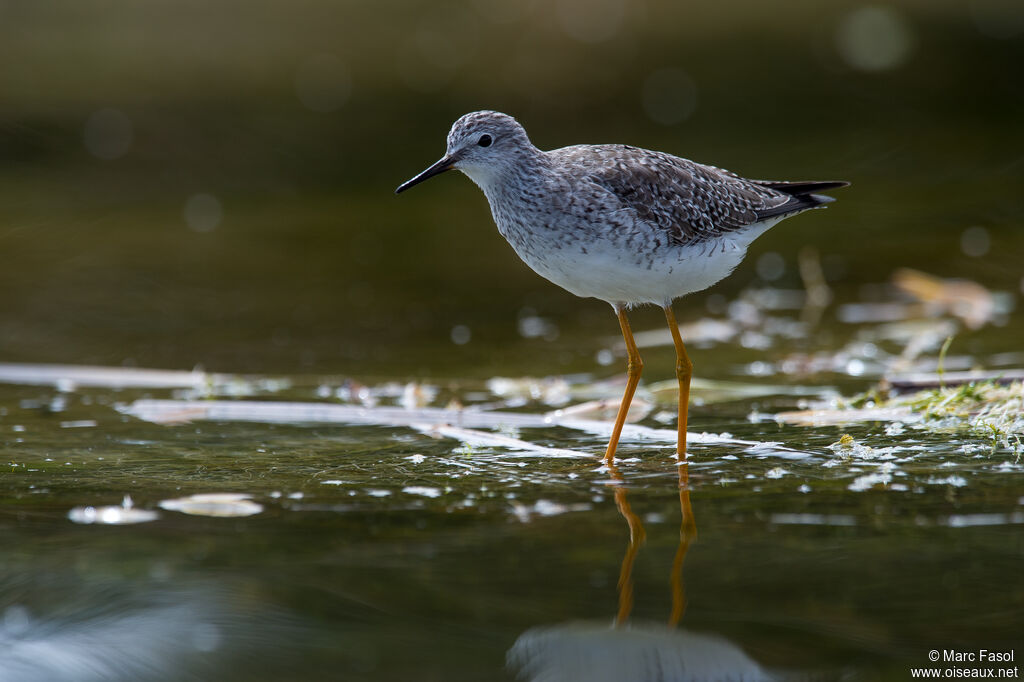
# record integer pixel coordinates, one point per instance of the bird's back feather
(691, 202)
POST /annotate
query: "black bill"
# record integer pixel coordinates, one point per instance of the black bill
(441, 166)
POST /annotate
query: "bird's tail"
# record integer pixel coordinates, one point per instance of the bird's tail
(803, 188)
(805, 192)
(802, 196)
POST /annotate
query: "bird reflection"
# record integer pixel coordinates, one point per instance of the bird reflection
(637, 536)
(687, 534)
(631, 651)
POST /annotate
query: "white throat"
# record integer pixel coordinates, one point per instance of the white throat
(487, 178)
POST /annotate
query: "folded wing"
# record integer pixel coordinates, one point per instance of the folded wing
(690, 201)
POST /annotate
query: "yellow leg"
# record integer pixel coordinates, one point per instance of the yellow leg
(687, 534)
(684, 370)
(633, 369)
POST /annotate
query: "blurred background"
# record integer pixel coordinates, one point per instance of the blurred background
(189, 183)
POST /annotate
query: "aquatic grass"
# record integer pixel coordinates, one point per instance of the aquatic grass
(985, 408)
(989, 409)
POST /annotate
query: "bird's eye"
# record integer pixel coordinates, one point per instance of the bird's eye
(484, 141)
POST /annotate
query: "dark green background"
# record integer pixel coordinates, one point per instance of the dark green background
(316, 267)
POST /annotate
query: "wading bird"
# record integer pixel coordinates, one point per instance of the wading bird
(618, 223)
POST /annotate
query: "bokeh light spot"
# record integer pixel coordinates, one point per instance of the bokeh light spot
(874, 39)
(975, 241)
(1002, 19)
(770, 266)
(669, 96)
(322, 83)
(461, 335)
(108, 134)
(591, 21)
(502, 11)
(203, 212)
(444, 41)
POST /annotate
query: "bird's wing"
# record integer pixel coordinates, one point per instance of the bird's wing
(690, 201)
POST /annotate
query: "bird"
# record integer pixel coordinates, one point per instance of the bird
(622, 224)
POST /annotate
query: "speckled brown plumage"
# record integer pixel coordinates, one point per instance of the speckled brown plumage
(691, 202)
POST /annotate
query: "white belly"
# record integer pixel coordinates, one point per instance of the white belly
(617, 276)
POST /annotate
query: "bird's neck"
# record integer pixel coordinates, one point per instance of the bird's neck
(523, 173)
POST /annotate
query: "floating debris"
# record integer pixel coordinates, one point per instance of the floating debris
(604, 410)
(895, 429)
(67, 378)
(124, 514)
(352, 391)
(746, 321)
(549, 390)
(542, 508)
(79, 424)
(176, 411)
(862, 483)
(919, 335)
(705, 331)
(970, 520)
(482, 438)
(455, 423)
(783, 519)
(845, 442)
(771, 298)
(830, 416)
(985, 409)
(888, 311)
(709, 391)
(921, 380)
(586, 388)
(969, 301)
(222, 505)
(955, 481)
(416, 395)
(855, 359)
(422, 490)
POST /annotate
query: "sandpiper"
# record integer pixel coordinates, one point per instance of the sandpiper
(618, 223)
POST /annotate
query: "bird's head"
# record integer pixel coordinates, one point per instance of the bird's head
(484, 145)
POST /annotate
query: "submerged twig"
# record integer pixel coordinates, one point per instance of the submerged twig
(920, 380)
(448, 422)
(483, 438)
(70, 376)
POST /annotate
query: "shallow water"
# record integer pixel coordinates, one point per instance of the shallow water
(381, 552)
